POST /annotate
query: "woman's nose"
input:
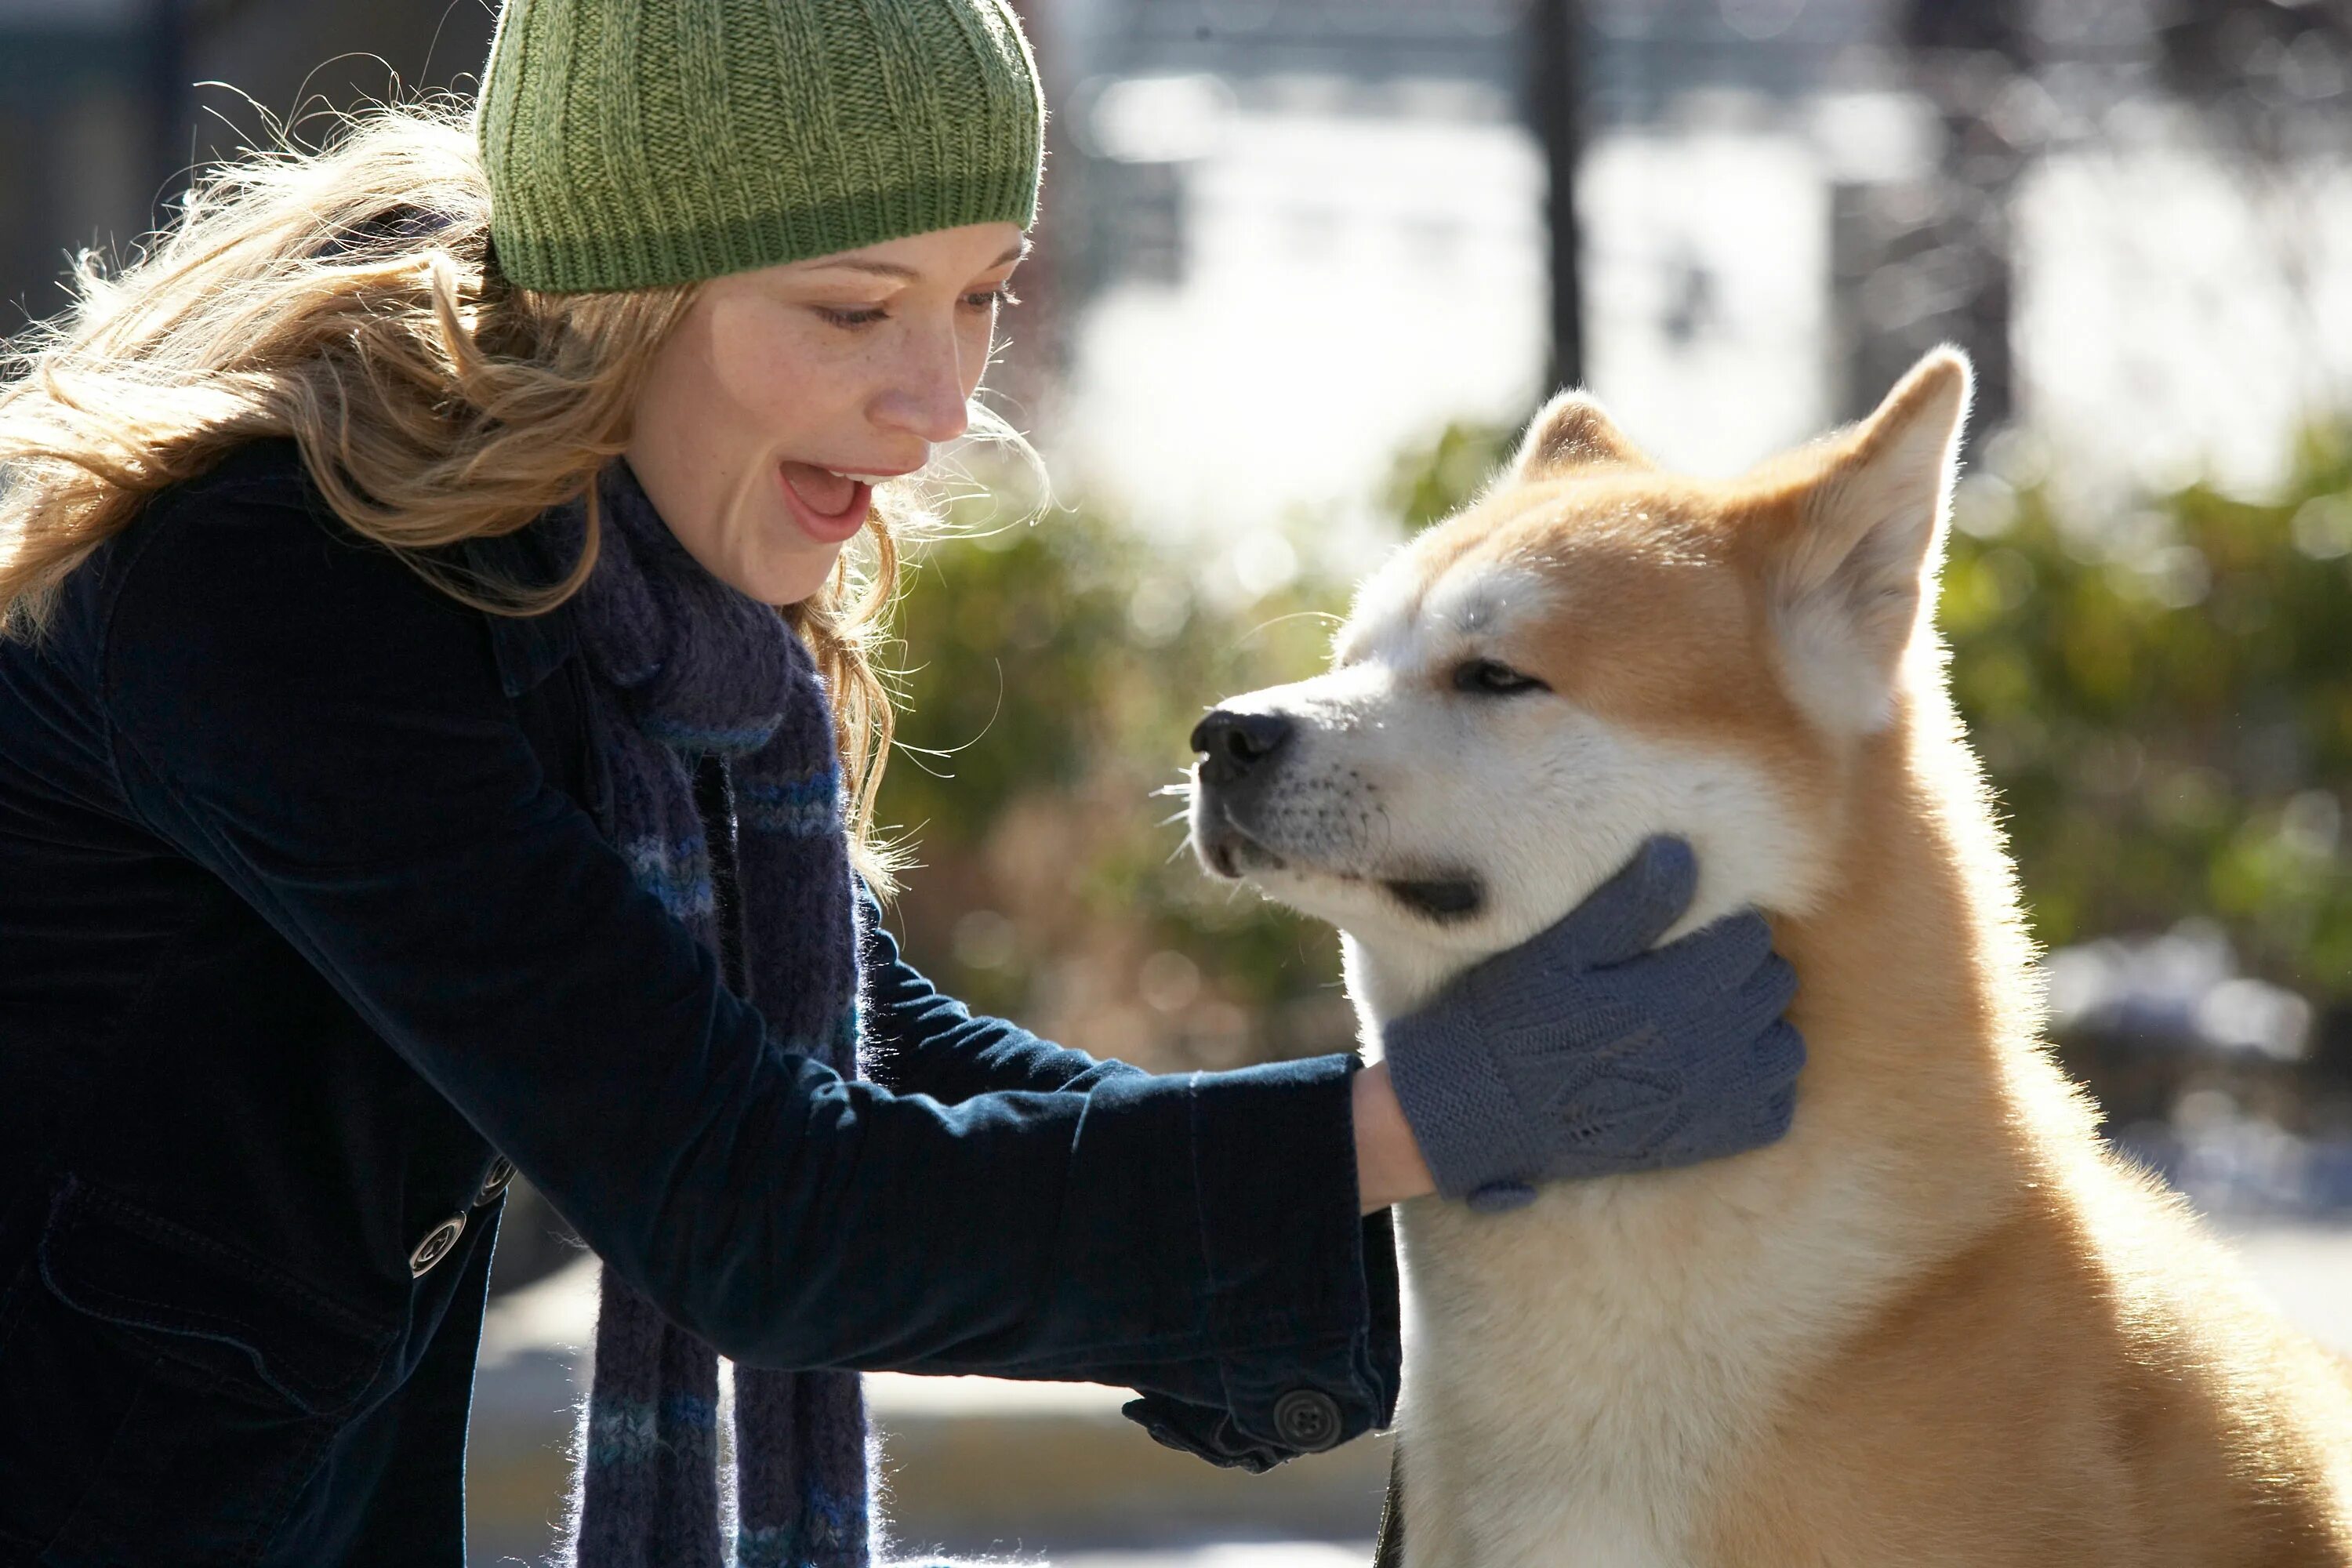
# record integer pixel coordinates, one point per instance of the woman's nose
(929, 395)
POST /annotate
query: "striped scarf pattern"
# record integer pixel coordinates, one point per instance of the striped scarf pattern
(683, 666)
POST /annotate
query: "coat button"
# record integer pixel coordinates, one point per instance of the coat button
(495, 1180)
(435, 1244)
(1306, 1419)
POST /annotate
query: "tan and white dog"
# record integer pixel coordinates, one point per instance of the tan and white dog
(1938, 1322)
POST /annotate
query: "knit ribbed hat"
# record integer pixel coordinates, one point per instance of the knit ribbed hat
(636, 142)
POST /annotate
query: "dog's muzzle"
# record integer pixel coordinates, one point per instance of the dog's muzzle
(1243, 758)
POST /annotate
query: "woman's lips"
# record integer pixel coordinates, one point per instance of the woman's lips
(829, 507)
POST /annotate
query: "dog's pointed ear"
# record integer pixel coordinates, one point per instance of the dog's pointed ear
(1852, 577)
(1571, 432)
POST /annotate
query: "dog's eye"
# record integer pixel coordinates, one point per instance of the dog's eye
(1488, 678)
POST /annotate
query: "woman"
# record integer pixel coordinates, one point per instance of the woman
(406, 776)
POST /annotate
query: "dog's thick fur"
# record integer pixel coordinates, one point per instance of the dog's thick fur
(1938, 1322)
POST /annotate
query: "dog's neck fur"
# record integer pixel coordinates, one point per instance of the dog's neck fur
(1914, 967)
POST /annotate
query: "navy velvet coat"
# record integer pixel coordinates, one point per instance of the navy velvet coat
(309, 923)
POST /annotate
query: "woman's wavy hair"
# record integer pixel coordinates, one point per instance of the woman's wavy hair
(348, 297)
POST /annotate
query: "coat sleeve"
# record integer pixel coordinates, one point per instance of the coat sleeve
(922, 1041)
(296, 712)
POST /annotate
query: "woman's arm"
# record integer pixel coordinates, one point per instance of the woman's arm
(926, 1042)
(304, 718)
(921, 1041)
(1389, 1166)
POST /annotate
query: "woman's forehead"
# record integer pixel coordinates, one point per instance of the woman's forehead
(971, 248)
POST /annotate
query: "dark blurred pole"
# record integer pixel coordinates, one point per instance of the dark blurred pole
(1555, 101)
(1036, 356)
(1963, 55)
(170, 102)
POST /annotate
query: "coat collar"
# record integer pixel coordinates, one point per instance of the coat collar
(529, 648)
(527, 651)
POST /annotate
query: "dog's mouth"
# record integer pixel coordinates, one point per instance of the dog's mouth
(1446, 899)
(1232, 854)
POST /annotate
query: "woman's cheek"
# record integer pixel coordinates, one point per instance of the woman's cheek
(766, 364)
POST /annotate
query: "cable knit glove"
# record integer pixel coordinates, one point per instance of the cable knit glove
(1582, 1052)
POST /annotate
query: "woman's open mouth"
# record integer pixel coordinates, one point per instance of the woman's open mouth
(829, 507)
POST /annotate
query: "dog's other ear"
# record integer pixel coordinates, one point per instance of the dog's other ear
(1570, 433)
(1854, 574)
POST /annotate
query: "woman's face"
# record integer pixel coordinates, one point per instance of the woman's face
(786, 391)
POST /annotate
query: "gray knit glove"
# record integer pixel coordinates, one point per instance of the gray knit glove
(1583, 1053)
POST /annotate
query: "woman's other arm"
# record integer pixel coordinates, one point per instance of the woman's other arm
(924, 1041)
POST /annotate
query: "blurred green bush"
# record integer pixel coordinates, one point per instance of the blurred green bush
(2164, 699)
(1052, 672)
(2162, 694)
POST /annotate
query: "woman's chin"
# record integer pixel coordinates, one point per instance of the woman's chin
(793, 584)
(791, 578)
(768, 559)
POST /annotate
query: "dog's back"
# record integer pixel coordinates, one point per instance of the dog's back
(2083, 1382)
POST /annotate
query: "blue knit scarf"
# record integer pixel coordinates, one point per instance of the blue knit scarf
(684, 665)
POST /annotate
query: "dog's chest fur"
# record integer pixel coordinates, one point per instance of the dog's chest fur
(1580, 1371)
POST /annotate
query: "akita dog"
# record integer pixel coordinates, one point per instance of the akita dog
(1938, 1322)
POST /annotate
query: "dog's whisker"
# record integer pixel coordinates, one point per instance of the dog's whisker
(1277, 620)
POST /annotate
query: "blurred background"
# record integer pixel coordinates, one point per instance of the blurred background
(1304, 267)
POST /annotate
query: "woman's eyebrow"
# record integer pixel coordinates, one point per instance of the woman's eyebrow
(907, 274)
(879, 268)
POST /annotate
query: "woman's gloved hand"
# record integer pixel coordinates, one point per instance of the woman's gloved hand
(1583, 1053)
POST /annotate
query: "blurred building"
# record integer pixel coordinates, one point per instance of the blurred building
(1283, 237)
(1304, 230)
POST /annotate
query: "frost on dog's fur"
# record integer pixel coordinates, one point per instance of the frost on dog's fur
(1938, 1322)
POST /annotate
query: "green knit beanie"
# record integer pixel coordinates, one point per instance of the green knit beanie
(636, 142)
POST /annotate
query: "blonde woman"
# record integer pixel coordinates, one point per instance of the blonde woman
(437, 736)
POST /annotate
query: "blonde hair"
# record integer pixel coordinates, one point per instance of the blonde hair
(347, 297)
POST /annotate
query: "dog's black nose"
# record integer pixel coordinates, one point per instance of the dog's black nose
(1233, 744)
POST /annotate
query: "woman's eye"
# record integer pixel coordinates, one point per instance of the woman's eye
(981, 301)
(1488, 678)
